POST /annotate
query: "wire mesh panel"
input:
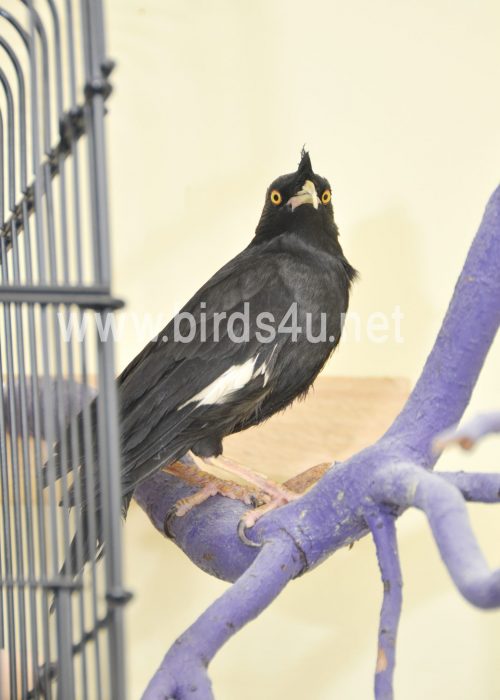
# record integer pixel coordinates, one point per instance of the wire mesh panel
(61, 627)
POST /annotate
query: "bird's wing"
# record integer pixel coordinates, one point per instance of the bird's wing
(170, 387)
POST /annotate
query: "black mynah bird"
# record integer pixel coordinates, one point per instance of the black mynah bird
(248, 343)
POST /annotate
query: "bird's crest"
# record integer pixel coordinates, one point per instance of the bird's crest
(304, 171)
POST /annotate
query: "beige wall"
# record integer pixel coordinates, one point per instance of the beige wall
(399, 104)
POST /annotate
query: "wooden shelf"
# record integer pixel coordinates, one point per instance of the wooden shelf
(340, 416)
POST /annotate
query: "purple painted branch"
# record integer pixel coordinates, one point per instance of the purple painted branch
(183, 672)
(452, 368)
(212, 526)
(470, 432)
(382, 526)
(407, 485)
(477, 487)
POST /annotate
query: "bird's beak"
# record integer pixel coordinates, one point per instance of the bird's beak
(307, 195)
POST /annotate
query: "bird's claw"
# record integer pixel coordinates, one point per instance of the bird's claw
(254, 501)
(242, 534)
(249, 519)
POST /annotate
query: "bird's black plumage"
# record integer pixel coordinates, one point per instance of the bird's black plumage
(172, 398)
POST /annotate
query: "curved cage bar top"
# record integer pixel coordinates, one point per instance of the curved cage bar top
(61, 630)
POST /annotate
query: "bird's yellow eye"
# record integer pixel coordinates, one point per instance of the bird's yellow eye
(326, 196)
(276, 197)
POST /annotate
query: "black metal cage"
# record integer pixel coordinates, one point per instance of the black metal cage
(61, 634)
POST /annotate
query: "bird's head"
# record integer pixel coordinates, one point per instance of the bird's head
(297, 201)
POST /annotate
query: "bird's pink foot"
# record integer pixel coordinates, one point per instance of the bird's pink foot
(285, 496)
(273, 490)
(268, 495)
(210, 485)
(271, 494)
(291, 490)
(249, 519)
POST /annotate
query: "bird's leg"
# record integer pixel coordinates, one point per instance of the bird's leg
(269, 493)
(276, 492)
(209, 485)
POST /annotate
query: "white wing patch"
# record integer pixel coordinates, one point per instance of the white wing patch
(233, 379)
(264, 369)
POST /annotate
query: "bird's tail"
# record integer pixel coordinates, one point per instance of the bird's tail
(88, 542)
(73, 462)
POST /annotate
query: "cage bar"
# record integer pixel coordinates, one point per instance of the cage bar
(61, 629)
